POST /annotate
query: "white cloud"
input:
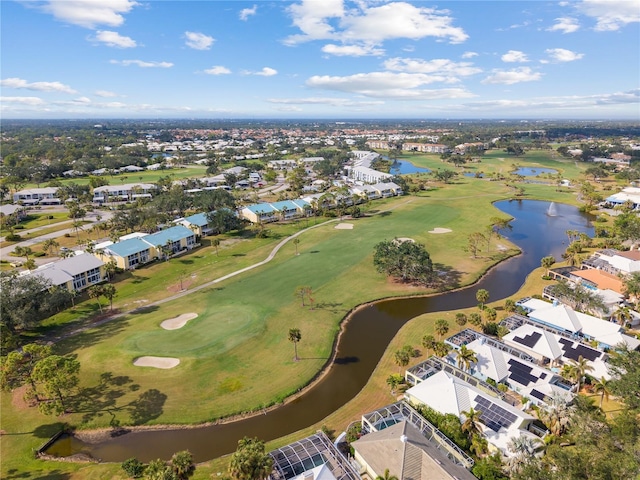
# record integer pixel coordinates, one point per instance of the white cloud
(90, 13)
(336, 102)
(563, 55)
(509, 77)
(114, 39)
(352, 50)
(390, 85)
(39, 86)
(142, 64)
(198, 41)
(469, 54)
(22, 100)
(217, 70)
(266, 72)
(105, 94)
(514, 56)
(245, 13)
(611, 15)
(440, 66)
(370, 24)
(565, 25)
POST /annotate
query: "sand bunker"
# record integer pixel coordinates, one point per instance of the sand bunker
(178, 322)
(157, 362)
(440, 230)
(344, 226)
(404, 239)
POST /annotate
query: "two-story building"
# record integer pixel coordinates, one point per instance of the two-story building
(37, 196)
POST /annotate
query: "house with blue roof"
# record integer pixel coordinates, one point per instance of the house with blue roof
(133, 252)
(173, 240)
(128, 254)
(198, 224)
(260, 213)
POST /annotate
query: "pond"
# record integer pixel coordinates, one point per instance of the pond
(366, 336)
(534, 172)
(401, 167)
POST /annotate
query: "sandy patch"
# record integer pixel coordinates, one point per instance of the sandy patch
(157, 362)
(344, 226)
(178, 322)
(440, 230)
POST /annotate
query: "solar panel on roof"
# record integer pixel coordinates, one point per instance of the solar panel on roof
(537, 394)
(528, 340)
(574, 352)
(492, 415)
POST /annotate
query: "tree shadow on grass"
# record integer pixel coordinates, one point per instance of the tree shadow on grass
(91, 336)
(186, 261)
(49, 430)
(145, 309)
(147, 407)
(102, 398)
(447, 277)
(332, 307)
(54, 475)
(138, 279)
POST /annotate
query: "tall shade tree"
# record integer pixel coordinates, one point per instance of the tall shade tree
(58, 377)
(295, 336)
(441, 327)
(16, 369)
(404, 260)
(482, 296)
(250, 461)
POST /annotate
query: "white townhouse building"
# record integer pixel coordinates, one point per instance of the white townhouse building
(37, 196)
(123, 193)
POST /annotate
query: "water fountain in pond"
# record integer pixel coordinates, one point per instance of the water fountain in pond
(552, 211)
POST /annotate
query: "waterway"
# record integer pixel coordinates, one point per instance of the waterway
(364, 340)
(401, 167)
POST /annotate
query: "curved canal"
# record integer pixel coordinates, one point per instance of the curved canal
(364, 340)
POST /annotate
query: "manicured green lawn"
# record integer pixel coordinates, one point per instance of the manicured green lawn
(240, 335)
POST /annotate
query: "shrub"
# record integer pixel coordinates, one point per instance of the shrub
(12, 237)
(133, 467)
(19, 227)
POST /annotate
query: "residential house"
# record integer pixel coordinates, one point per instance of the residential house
(198, 223)
(128, 254)
(312, 458)
(260, 213)
(37, 196)
(12, 210)
(387, 189)
(175, 239)
(75, 273)
(367, 175)
(446, 393)
(627, 195)
(396, 437)
(123, 193)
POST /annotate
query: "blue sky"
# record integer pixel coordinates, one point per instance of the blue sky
(320, 59)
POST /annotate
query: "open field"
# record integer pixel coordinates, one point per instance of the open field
(240, 334)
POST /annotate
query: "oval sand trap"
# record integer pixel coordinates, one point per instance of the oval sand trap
(344, 226)
(440, 230)
(157, 362)
(178, 322)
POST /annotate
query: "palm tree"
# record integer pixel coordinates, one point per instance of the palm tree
(296, 242)
(110, 269)
(441, 349)
(622, 316)
(23, 252)
(108, 291)
(471, 424)
(465, 357)
(295, 336)
(428, 342)
(602, 387)
(394, 380)
(556, 415)
(182, 465)
(524, 449)
(482, 296)
(581, 368)
(441, 327)
(50, 244)
(95, 292)
(401, 357)
(387, 476)
(250, 461)
(216, 243)
(632, 286)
